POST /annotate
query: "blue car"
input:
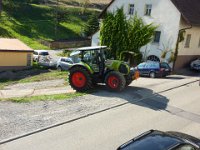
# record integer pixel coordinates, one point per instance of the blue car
(154, 69)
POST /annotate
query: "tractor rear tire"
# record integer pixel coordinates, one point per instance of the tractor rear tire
(80, 79)
(115, 81)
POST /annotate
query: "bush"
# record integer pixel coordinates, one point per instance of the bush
(120, 34)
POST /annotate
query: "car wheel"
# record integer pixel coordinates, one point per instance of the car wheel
(152, 75)
(59, 68)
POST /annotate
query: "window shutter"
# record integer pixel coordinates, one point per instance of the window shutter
(188, 39)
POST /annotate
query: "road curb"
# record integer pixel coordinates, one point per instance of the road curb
(87, 115)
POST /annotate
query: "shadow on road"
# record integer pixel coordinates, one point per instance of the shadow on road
(188, 72)
(143, 97)
(174, 77)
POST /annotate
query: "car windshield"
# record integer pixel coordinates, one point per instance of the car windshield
(152, 142)
(44, 53)
(164, 65)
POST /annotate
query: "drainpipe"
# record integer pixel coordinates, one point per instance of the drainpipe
(177, 44)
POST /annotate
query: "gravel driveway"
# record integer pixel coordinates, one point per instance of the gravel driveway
(20, 118)
(37, 85)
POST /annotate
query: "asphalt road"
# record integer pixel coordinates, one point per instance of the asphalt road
(176, 109)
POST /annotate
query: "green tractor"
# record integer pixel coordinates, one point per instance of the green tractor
(93, 68)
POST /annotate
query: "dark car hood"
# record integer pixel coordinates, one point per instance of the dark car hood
(186, 136)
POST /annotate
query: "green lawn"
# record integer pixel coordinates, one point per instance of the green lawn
(40, 75)
(34, 23)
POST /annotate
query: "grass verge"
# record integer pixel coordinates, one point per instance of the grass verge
(53, 74)
(44, 97)
(34, 75)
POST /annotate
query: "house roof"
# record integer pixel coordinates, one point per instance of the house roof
(188, 8)
(13, 45)
(105, 9)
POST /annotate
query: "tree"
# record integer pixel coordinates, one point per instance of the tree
(120, 34)
(114, 32)
(0, 7)
(92, 25)
(139, 34)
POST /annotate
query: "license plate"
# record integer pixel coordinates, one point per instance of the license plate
(136, 75)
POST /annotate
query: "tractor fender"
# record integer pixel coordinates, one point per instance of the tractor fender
(84, 65)
(118, 65)
(106, 72)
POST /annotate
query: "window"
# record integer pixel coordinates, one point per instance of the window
(131, 9)
(69, 61)
(157, 37)
(148, 10)
(185, 147)
(164, 65)
(153, 58)
(199, 43)
(142, 65)
(187, 41)
(35, 53)
(62, 59)
(29, 59)
(44, 53)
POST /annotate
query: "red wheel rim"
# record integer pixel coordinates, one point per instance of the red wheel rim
(78, 79)
(113, 82)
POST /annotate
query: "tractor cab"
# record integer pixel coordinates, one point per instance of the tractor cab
(92, 56)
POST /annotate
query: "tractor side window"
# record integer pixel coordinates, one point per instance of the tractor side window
(90, 57)
(87, 56)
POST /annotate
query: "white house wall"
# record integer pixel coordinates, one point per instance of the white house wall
(95, 39)
(194, 48)
(188, 54)
(164, 15)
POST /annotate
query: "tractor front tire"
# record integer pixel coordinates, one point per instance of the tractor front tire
(115, 81)
(128, 80)
(80, 79)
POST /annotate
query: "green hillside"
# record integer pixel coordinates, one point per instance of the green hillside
(33, 23)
